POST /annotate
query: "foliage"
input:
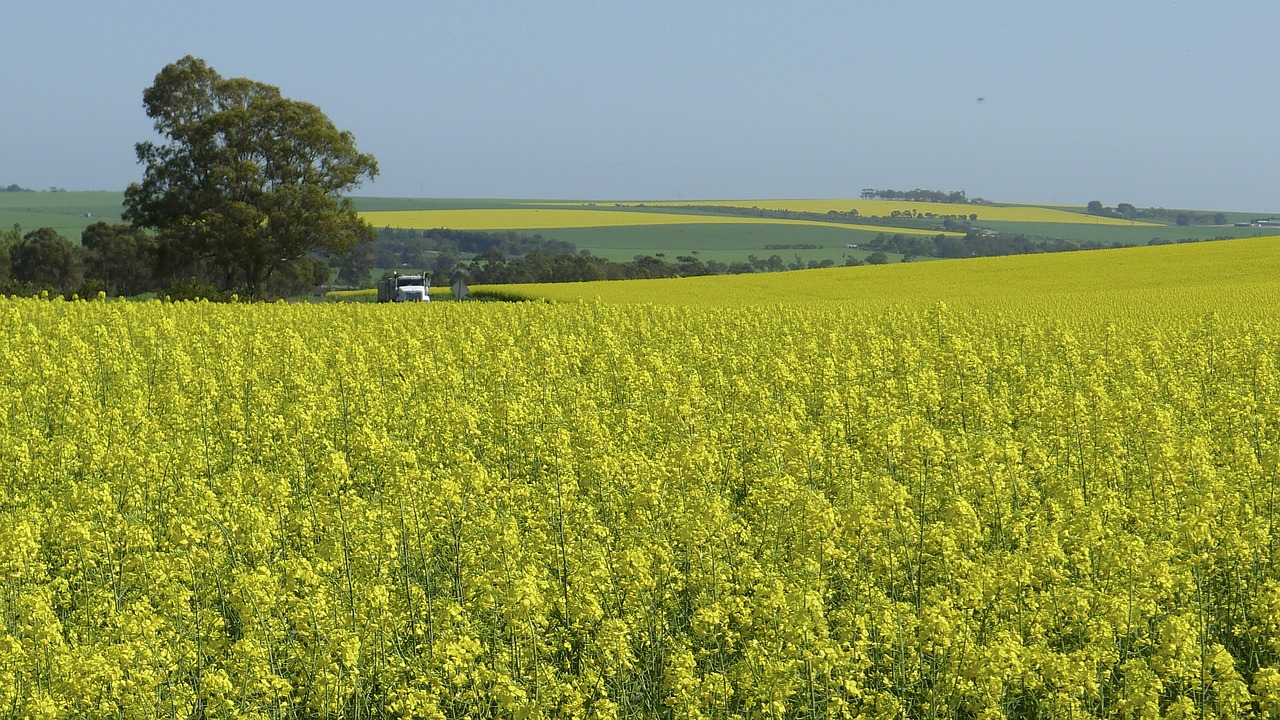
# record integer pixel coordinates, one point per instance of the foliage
(1177, 217)
(918, 195)
(246, 179)
(540, 267)
(401, 247)
(124, 259)
(298, 277)
(46, 260)
(355, 265)
(974, 243)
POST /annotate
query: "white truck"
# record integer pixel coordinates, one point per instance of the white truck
(404, 288)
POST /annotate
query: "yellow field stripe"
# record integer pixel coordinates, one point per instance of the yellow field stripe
(550, 218)
(885, 208)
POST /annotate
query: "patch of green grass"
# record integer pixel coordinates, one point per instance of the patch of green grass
(67, 212)
(1131, 235)
(726, 243)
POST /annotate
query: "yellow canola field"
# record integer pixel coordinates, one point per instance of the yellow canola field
(538, 510)
(550, 218)
(1056, 282)
(1006, 213)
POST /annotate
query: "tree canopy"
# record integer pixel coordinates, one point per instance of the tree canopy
(246, 181)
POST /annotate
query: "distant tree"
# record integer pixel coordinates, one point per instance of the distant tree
(122, 259)
(246, 180)
(445, 269)
(46, 260)
(877, 258)
(9, 238)
(297, 277)
(1127, 210)
(1220, 218)
(920, 195)
(690, 266)
(1095, 207)
(355, 265)
(1183, 218)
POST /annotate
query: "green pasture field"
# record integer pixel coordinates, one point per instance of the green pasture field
(1232, 216)
(67, 212)
(1085, 231)
(726, 243)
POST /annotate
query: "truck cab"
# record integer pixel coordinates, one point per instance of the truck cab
(412, 293)
(404, 288)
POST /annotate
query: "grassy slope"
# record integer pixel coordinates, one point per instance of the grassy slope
(70, 212)
(67, 212)
(1086, 231)
(727, 243)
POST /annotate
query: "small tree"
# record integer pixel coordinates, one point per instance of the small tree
(8, 239)
(298, 277)
(46, 260)
(246, 180)
(355, 265)
(121, 258)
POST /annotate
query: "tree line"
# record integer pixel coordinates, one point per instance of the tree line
(120, 259)
(492, 268)
(899, 218)
(1127, 211)
(975, 243)
(398, 247)
(956, 197)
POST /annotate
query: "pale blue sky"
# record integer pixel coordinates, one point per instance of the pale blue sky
(1154, 102)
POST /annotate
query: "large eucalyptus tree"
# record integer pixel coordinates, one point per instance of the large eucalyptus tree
(245, 179)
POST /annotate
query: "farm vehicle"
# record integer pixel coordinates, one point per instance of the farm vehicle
(404, 288)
